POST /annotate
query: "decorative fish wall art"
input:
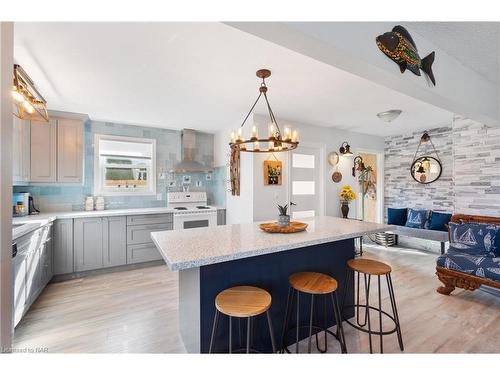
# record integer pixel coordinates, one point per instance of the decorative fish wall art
(399, 46)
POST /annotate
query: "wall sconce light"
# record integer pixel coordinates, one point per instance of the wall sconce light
(345, 149)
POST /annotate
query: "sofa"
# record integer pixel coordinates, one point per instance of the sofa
(425, 227)
(473, 258)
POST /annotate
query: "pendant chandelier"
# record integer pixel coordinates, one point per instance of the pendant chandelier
(29, 103)
(275, 140)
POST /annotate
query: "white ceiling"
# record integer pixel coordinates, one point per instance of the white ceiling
(201, 76)
(475, 44)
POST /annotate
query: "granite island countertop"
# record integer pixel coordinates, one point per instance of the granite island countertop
(184, 249)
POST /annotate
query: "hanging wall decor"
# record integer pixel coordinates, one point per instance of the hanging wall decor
(426, 168)
(333, 159)
(399, 46)
(273, 171)
(234, 172)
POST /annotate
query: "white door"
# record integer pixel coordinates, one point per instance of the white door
(306, 190)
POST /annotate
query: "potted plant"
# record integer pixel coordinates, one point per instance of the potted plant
(283, 217)
(346, 195)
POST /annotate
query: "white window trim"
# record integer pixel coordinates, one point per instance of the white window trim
(98, 190)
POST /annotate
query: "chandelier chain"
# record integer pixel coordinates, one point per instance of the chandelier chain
(251, 109)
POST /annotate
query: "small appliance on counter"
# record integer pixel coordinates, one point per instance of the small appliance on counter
(20, 204)
(23, 204)
(31, 206)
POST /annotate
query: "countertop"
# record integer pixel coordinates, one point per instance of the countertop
(184, 249)
(33, 222)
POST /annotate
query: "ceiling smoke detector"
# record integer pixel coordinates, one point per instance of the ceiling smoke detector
(390, 115)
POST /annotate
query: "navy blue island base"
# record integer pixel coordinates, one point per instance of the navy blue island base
(269, 272)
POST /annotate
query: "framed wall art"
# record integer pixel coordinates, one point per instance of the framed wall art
(273, 172)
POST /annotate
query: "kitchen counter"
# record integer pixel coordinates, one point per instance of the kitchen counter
(202, 246)
(212, 259)
(21, 226)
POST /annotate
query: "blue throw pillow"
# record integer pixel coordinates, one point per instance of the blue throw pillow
(396, 216)
(473, 238)
(416, 218)
(439, 220)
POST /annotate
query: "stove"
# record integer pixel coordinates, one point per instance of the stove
(191, 210)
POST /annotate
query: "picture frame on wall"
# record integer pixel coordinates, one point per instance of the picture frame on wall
(273, 172)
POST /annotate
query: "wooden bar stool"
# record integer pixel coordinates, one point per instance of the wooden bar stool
(314, 284)
(242, 302)
(369, 268)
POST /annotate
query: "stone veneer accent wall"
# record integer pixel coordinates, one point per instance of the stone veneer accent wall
(477, 167)
(401, 190)
(470, 183)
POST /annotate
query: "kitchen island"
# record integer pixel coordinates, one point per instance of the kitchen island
(215, 258)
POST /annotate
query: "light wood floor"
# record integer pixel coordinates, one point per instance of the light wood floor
(136, 311)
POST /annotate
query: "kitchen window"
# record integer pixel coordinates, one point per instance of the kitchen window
(124, 165)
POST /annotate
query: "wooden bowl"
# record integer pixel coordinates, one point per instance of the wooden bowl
(293, 227)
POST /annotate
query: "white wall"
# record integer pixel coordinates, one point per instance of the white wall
(331, 139)
(239, 209)
(6, 61)
(266, 197)
(258, 202)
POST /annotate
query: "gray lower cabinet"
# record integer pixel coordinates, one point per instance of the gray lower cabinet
(63, 247)
(140, 246)
(99, 243)
(221, 217)
(138, 234)
(31, 269)
(46, 251)
(87, 241)
(19, 277)
(114, 234)
(142, 253)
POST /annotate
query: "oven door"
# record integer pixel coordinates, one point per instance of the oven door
(194, 220)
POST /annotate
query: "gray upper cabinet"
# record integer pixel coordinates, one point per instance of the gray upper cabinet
(69, 150)
(54, 151)
(114, 240)
(88, 244)
(21, 151)
(63, 247)
(43, 151)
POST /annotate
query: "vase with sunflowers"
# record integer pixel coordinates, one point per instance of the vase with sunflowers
(346, 195)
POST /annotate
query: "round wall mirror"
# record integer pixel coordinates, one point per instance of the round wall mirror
(426, 169)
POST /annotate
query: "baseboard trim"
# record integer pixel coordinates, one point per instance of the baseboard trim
(126, 267)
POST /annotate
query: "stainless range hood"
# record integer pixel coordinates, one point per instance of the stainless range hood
(188, 150)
